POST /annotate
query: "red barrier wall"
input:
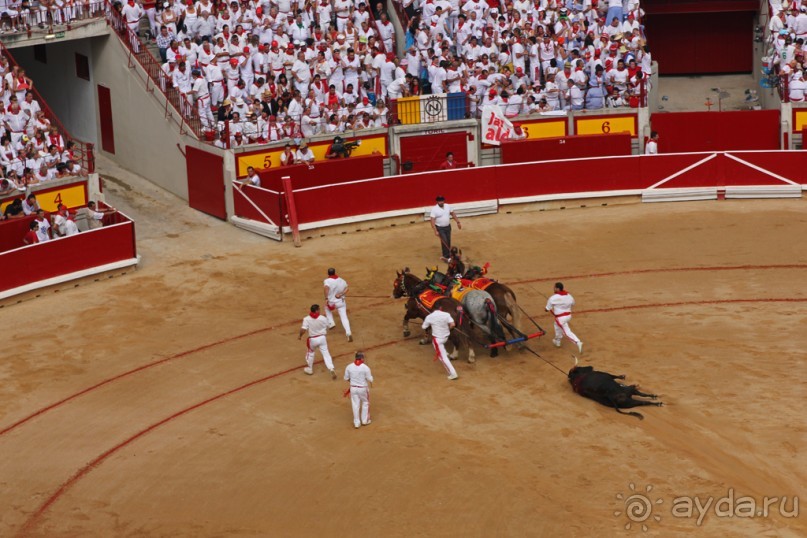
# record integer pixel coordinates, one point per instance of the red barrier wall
(605, 176)
(67, 255)
(716, 131)
(205, 182)
(566, 147)
(324, 172)
(393, 193)
(578, 176)
(268, 202)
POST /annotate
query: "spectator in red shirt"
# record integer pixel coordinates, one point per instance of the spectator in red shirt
(449, 163)
(30, 236)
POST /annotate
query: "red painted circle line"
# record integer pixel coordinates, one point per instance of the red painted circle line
(34, 518)
(662, 270)
(205, 347)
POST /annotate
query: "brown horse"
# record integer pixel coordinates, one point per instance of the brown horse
(408, 285)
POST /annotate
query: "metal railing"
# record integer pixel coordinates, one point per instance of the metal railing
(189, 119)
(82, 151)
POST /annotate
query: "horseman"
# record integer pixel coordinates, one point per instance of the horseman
(455, 265)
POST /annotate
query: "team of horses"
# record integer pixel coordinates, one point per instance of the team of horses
(493, 309)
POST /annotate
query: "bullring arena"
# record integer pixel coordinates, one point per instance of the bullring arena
(171, 401)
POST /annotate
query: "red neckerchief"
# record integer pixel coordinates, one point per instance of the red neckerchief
(333, 277)
(358, 362)
(314, 315)
(563, 292)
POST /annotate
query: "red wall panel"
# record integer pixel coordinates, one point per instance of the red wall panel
(271, 204)
(565, 147)
(12, 231)
(567, 176)
(684, 44)
(716, 131)
(205, 182)
(66, 255)
(393, 193)
(324, 173)
(791, 165)
(427, 152)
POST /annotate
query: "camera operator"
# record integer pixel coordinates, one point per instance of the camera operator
(340, 149)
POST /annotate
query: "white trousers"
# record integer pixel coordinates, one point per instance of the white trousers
(205, 115)
(562, 329)
(217, 92)
(314, 343)
(341, 307)
(441, 354)
(360, 400)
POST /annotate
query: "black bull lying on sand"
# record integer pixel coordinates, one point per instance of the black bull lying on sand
(602, 387)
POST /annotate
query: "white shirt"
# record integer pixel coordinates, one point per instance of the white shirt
(66, 226)
(358, 375)
(336, 286)
(651, 148)
(441, 215)
(315, 327)
(440, 322)
(42, 232)
(560, 304)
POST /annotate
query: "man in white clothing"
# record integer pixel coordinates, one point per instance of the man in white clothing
(651, 148)
(317, 327)
(360, 378)
(335, 291)
(441, 324)
(560, 306)
(440, 216)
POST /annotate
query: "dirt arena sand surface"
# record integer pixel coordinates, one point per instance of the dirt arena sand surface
(171, 401)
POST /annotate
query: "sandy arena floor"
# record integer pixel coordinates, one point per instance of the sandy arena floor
(172, 402)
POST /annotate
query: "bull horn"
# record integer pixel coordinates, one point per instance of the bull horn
(575, 360)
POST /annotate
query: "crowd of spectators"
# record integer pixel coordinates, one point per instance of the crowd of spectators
(22, 15)
(788, 32)
(275, 70)
(278, 70)
(31, 149)
(529, 56)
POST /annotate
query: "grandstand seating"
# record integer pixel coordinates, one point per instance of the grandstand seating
(275, 75)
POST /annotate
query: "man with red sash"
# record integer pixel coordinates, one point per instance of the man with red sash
(560, 306)
(317, 327)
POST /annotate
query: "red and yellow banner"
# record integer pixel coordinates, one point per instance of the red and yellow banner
(270, 158)
(626, 123)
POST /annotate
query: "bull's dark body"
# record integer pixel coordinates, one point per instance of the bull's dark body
(602, 387)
